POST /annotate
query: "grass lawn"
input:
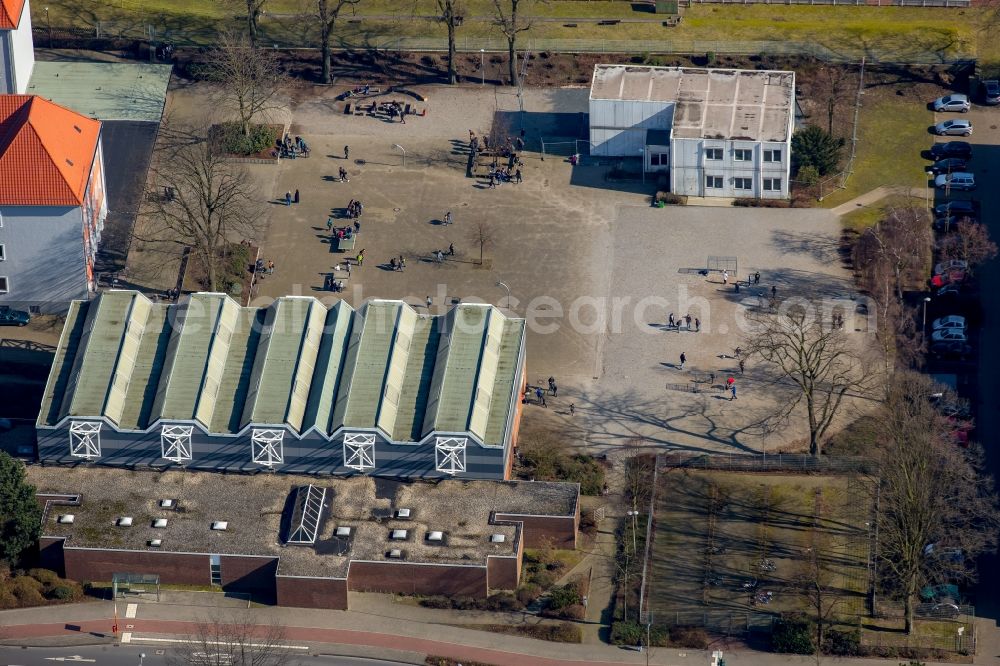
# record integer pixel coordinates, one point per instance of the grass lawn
(862, 218)
(897, 33)
(891, 137)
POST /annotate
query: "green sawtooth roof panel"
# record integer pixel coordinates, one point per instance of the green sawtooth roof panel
(275, 371)
(373, 355)
(508, 372)
(458, 387)
(187, 355)
(62, 363)
(415, 392)
(329, 363)
(236, 377)
(147, 369)
(100, 353)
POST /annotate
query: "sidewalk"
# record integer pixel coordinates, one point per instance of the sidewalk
(333, 632)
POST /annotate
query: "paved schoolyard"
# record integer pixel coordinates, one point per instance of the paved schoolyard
(586, 261)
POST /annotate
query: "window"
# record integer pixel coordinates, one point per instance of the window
(743, 183)
(266, 446)
(772, 184)
(713, 153)
(742, 154)
(215, 569)
(175, 443)
(659, 159)
(772, 155)
(359, 451)
(449, 455)
(85, 439)
(3, 252)
(713, 182)
(4, 284)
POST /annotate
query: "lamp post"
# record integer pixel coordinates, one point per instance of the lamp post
(482, 65)
(927, 299)
(634, 515)
(48, 26)
(142, 655)
(396, 145)
(501, 283)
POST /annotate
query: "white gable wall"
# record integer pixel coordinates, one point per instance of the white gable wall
(23, 48)
(618, 127)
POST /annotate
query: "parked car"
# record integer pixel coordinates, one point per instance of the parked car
(957, 207)
(954, 276)
(953, 265)
(948, 165)
(940, 151)
(963, 180)
(950, 349)
(991, 92)
(12, 317)
(938, 592)
(953, 290)
(956, 102)
(949, 335)
(953, 128)
(950, 223)
(956, 322)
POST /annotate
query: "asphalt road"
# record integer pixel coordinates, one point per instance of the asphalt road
(130, 656)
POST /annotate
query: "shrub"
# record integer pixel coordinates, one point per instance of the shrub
(527, 593)
(710, 57)
(588, 523)
(792, 636)
(586, 471)
(815, 147)
(503, 601)
(564, 595)
(808, 175)
(45, 577)
(574, 612)
(231, 139)
(842, 643)
(7, 599)
(750, 202)
(627, 633)
(464, 603)
(694, 638)
(542, 579)
(28, 591)
(564, 632)
(436, 601)
(62, 593)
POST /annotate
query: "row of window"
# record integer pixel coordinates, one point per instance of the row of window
(266, 447)
(4, 282)
(744, 154)
(769, 184)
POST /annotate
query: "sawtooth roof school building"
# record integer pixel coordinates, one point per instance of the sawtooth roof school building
(717, 132)
(297, 541)
(293, 387)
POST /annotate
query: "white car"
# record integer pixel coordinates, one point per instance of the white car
(949, 335)
(951, 322)
(953, 265)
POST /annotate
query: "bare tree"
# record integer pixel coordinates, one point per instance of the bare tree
(232, 640)
(202, 201)
(452, 12)
(326, 13)
(254, 9)
(970, 242)
(831, 85)
(511, 22)
(482, 235)
(815, 358)
(895, 249)
(638, 479)
(251, 77)
(821, 584)
(937, 509)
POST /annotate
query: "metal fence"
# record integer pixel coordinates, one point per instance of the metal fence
(861, 3)
(155, 32)
(777, 462)
(719, 621)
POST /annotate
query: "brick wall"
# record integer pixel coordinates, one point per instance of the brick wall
(504, 572)
(99, 565)
(536, 529)
(326, 593)
(51, 555)
(403, 578)
(251, 574)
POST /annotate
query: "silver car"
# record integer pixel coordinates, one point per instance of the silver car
(952, 103)
(953, 128)
(956, 181)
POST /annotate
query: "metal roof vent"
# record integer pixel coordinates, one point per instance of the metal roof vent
(398, 535)
(160, 522)
(403, 514)
(124, 521)
(343, 531)
(166, 504)
(155, 543)
(435, 536)
(395, 554)
(497, 538)
(220, 525)
(66, 519)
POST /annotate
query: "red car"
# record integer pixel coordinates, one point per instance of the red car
(953, 276)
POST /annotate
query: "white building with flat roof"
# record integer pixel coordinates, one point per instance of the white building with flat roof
(17, 50)
(718, 132)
